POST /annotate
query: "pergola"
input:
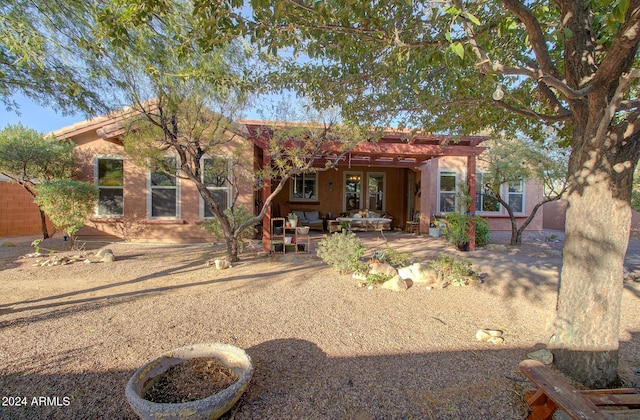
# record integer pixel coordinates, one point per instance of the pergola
(393, 149)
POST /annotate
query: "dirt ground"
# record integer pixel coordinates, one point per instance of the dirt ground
(72, 335)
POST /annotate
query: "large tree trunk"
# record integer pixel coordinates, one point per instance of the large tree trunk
(597, 229)
(232, 249)
(43, 223)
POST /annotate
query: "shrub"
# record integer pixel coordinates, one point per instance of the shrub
(483, 233)
(396, 258)
(377, 278)
(68, 203)
(342, 251)
(456, 271)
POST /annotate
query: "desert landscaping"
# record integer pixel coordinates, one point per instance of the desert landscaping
(321, 346)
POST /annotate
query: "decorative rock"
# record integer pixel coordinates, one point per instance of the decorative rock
(395, 284)
(382, 268)
(108, 257)
(496, 247)
(359, 276)
(420, 273)
(482, 335)
(542, 355)
(221, 264)
(490, 336)
(495, 340)
(102, 252)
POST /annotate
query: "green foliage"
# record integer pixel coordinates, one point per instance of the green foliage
(397, 258)
(237, 217)
(42, 45)
(36, 245)
(377, 278)
(68, 203)
(25, 155)
(457, 227)
(483, 233)
(378, 256)
(342, 251)
(456, 271)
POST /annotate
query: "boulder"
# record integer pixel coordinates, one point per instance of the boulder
(103, 251)
(222, 264)
(108, 257)
(542, 355)
(395, 284)
(420, 273)
(382, 268)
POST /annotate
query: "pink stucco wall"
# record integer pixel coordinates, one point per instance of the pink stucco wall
(555, 214)
(135, 225)
(497, 221)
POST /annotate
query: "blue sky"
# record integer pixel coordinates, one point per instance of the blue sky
(46, 120)
(37, 117)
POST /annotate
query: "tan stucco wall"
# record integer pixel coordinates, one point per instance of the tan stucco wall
(135, 225)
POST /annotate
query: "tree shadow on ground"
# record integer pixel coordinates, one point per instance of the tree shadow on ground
(294, 378)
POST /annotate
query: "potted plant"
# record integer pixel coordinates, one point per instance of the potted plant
(458, 230)
(293, 219)
(377, 257)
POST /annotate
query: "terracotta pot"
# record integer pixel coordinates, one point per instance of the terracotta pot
(463, 246)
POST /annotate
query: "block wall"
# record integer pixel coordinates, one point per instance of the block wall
(18, 213)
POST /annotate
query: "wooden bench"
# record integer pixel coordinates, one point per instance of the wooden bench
(555, 392)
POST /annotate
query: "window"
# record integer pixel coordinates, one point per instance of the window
(375, 191)
(484, 200)
(352, 191)
(163, 187)
(110, 183)
(447, 192)
(304, 187)
(216, 175)
(515, 196)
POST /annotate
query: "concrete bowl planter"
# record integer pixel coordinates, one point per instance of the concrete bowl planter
(211, 407)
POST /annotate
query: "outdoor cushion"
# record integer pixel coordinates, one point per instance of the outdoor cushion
(312, 216)
(299, 213)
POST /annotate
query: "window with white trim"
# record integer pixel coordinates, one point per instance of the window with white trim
(164, 190)
(109, 179)
(216, 175)
(304, 187)
(352, 191)
(375, 191)
(447, 191)
(485, 202)
(515, 196)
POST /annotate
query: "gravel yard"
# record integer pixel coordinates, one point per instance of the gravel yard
(321, 347)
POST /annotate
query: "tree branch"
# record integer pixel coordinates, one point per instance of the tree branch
(532, 114)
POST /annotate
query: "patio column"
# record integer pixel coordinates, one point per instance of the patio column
(266, 220)
(471, 183)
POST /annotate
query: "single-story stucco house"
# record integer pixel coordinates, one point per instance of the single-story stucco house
(405, 177)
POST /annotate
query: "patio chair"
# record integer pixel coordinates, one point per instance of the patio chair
(413, 226)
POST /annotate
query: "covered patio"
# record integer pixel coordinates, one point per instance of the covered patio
(393, 177)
